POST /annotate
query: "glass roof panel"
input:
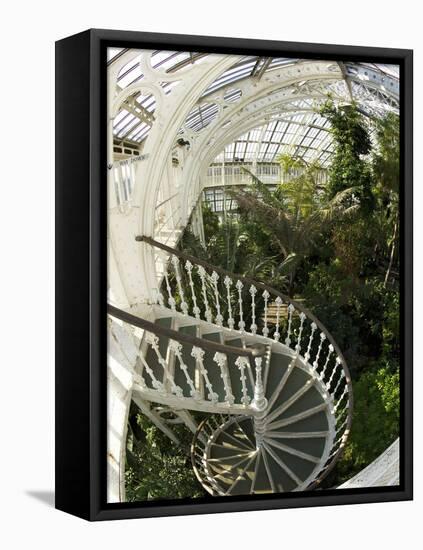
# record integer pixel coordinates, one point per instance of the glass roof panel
(298, 128)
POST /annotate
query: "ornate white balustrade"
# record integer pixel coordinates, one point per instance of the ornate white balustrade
(194, 288)
(157, 375)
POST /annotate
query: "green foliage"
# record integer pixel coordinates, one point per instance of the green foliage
(352, 143)
(386, 157)
(334, 246)
(156, 467)
(375, 419)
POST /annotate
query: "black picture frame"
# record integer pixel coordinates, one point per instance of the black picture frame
(81, 271)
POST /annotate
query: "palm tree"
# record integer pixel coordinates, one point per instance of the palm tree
(295, 214)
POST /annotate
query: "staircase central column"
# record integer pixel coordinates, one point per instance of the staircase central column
(259, 402)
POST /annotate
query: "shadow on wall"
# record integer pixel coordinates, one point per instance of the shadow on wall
(46, 497)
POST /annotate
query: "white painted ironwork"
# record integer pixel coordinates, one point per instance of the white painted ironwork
(266, 297)
(202, 273)
(242, 363)
(175, 263)
(241, 323)
(228, 283)
(253, 292)
(220, 359)
(198, 355)
(278, 302)
(215, 278)
(196, 310)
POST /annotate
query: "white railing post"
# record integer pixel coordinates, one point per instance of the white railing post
(176, 347)
(242, 363)
(241, 323)
(228, 283)
(170, 298)
(220, 359)
(198, 355)
(184, 305)
(259, 402)
(277, 333)
(215, 278)
(202, 273)
(195, 309)
(253, 292)
(307, 353)
(323, 373)
(265, 330)
(316, 360)
(300, 333)
(153, 340)
(291, 309)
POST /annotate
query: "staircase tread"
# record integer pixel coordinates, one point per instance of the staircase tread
(277, 367)
(282, 481)
(301, 467)
(314, 423)
(308, 400)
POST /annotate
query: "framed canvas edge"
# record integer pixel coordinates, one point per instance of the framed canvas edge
(93, 463)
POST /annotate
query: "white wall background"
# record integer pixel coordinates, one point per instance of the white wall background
(27, 36)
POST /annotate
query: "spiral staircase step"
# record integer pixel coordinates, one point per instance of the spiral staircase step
(233, 458)
(295, 381)
(276, 369)
(281, 480)
(301, 467)
(261, 483)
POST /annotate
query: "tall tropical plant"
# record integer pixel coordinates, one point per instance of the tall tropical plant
(293, 215)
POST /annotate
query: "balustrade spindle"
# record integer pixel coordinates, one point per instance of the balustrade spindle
(341, 399)
(153, 340)
(265, 330)
(341, 377)
(220, 359)
(170, 297)
(202, 273)
(278, 303)
(316, 360)
(342, 425)
(176, 347)
(215, 278)
(160, 299)
(313, 330)
(195, 309)
(291, 310)
(198, 355)
(323, 373)
(300, 332)
(242, 363)
(157, 385)
(253, 292)
(241, 323)
(338, 362)
(259, 401)
(228, 283)
(184, 305)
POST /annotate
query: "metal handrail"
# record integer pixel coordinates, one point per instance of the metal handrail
(258, 350)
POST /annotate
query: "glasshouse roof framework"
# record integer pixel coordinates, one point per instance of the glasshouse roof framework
(375, 88)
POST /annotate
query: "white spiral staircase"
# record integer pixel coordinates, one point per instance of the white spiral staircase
(275, 386)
